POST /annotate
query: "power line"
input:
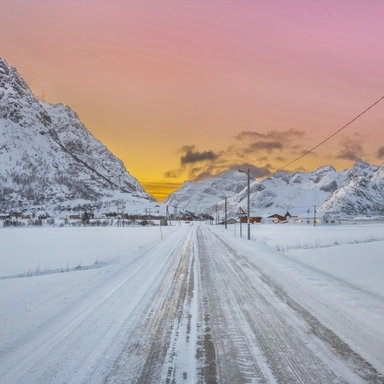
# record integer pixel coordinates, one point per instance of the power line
(56, 138)
(329, 137)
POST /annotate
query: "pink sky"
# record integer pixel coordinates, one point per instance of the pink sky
(169, 86)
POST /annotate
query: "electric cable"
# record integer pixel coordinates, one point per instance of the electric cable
(329, 137)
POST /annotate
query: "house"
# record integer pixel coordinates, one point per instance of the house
(314, 217)
(240, 213)
(329, 219)
(277, 216)
(100, 217)
(243, 217)
(4, 216)
(255, 218)
(270, 218)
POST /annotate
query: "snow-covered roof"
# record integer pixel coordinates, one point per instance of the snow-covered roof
(310, 214)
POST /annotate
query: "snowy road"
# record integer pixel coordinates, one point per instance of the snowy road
(202, 307)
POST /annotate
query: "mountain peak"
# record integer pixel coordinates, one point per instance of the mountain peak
(17, 102)
(361, 168)
(324, 187)
(50, 161)
(11, 80)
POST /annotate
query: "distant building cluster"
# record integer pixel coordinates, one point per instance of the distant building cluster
(278, 216)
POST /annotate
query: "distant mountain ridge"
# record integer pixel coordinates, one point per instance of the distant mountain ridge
(363, 195)
(193, 196)
(49, 161)
(354, 192)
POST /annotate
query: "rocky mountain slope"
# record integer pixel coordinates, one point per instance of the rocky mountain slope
(50, 162)
(207, 193)
(349, 192)
(361, 196)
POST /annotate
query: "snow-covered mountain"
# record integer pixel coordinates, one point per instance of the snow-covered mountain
(291, 192)
(49, 161)
(325, 188)
(361, 196)
(361, 168)
(201, 195)
(379, 174)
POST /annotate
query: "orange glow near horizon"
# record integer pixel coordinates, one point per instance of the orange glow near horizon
(185, 90)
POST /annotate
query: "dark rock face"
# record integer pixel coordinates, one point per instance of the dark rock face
(331, 187)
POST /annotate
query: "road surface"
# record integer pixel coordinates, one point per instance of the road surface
(200, 307)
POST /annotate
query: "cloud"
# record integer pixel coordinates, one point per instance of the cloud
(380, 153)
(263, 146)
(271, 136)
(250, 148)
(270, 141)
(255, 171)
(196, 164)
(307, 153)
(351, 148)
(200, 165)
(192, 156)
(348, 155)
(203, 175)
(173, 173)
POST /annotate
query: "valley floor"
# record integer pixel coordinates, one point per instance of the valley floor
(198, 305)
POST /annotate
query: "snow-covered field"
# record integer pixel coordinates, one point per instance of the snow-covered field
(134, 304)
(354, 253)
(31, 251)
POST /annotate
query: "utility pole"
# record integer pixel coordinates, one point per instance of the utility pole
(249, 205)
(216, 213)
(314, 215)
(248, 202)
(225, 218)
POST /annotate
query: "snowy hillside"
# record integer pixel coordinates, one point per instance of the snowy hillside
(200, 195)
(360, 168)
(379, 174)
(49, 161)
(362, 196)
(291, 192)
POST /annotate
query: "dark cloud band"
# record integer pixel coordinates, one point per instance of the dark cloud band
(192, 156)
